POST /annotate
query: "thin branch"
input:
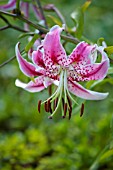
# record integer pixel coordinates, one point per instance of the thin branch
(4, 28)
(40, 28)
(9, 25)
(42, 13)
(7, 61)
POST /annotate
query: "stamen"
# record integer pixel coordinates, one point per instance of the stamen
(55, 103)
(70, 111)
(39, 105)
(65, 109)
(50, 90)
(49, 106)
(82, 110)
(69, 102)
(46, 106)
(50, 117)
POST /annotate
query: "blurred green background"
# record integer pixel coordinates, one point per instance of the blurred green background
(29, 140)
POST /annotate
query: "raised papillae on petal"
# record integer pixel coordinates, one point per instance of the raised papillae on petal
(54, 52)
(26, 67)
(9, 6)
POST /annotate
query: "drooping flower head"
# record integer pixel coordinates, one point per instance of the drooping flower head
(51, 65)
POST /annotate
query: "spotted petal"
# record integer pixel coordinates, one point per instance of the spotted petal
(27, 68)
(81, 92)
(36, 86)
(82, 54)
(54, 52)
(9, 6)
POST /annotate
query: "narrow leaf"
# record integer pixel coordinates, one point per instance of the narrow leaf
(30, 44)
(109, 50)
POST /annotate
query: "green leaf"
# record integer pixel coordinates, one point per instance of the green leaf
(30, 44)
(99, 41)
(92, 84)
(55, 20)
(32, 79)
(110, 70)
(109, 50)
(78, 18)
(86, 5)
(26, 34)
(106, 155)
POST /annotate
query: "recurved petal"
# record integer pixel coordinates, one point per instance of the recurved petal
(36, 86)
(37, 13)
(53, 49)
(81, 92)
(37, 58)
(93, 71)
(27, 68)
(9, 6)
(82, 53)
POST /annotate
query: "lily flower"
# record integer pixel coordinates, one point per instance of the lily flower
(51, 65)
(24, 7)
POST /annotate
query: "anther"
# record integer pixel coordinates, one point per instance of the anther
(49, 117)
(82, 110)
(46, 107)
(49, 106)
(69, 102)
(65, 109)
(63, 102)
(55, 103)
(70, 111)
(39, 105)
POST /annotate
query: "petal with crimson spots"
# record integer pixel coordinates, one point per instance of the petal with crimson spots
(36, 86)
(82, 54)
(53, 49)
(81, 92)
(27, 68)
(93, 71)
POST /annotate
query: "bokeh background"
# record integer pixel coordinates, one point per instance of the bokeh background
(29, 140)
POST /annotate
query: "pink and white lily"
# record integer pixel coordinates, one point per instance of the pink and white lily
(24, 7)
(51, 65)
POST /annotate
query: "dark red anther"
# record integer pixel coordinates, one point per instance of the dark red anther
(50, 117)
(55, 103)
(46, 106)
(63, 102)
(65, 109)
(63, 117)
(39, 105)
(50, 90)
(49, 106)
(70, 111)
(82, 110)
(69, 102)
